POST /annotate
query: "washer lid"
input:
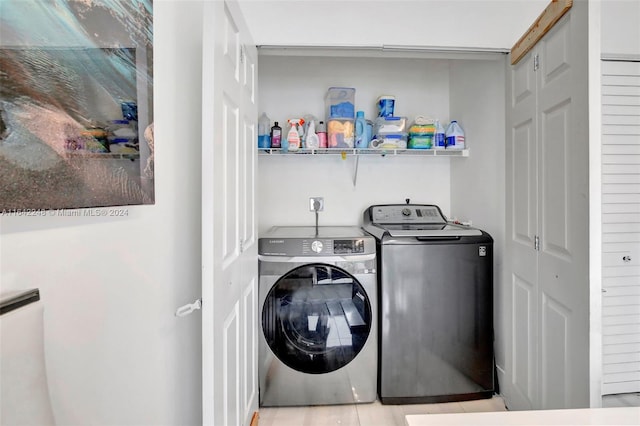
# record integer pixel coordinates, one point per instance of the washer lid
(426, 230)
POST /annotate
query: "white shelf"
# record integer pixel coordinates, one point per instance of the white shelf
(368, 151)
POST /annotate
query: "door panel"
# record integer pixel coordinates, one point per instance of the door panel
(247, 168)
(231, 44)
(523, 340)
(555, 128)
(555, 353)
(249, 321)
(231, 368)
(229, 149)
(554, 53)
(524, 184)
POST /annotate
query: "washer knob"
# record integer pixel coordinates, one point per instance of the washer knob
(316, 246)
(406, 212)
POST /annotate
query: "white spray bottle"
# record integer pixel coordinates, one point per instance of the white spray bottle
(312, 140)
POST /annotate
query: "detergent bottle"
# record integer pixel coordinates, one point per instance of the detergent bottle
(276, 136)
(322, 135)
(264, 138)
(455, 136)
(438, 137)
(361, 131)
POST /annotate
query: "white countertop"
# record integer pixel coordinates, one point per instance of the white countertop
(587, 416)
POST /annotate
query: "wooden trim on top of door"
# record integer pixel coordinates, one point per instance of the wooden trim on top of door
(547, 19)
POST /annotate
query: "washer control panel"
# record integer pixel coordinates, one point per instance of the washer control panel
(406, 213)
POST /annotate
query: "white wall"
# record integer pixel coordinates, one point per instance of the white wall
(294, 86)
(477, 184)
(621, 28)
(115, 353)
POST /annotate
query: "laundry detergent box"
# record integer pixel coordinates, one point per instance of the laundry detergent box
(340, 103)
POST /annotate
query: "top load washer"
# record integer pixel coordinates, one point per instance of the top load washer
(436, 306)
(318, 316)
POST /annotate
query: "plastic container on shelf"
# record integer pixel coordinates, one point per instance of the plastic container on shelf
(454, 136)
(321, 131)
(421, 133)
(387, 125)
(361, 140)
(276, 136)
(340, 103)
(340, 134)
(369, 131)
(311, 137)
(390, 141)
(439, 137)
(264, 137)
(293, 135)
(386, 106)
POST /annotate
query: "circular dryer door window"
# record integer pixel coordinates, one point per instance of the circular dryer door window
(316, 318)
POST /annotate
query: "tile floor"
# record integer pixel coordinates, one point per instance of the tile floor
(376, 414)
(373, 414)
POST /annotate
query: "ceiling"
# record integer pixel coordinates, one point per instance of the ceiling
(434, 23)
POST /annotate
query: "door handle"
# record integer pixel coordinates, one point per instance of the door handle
(185, 310)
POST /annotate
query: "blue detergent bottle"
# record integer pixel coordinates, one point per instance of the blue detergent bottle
(361, 131)
(264, 130)
(438, 137)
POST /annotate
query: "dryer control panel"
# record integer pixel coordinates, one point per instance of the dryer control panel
(329, 241)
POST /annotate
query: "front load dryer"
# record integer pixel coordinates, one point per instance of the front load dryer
(318, 316)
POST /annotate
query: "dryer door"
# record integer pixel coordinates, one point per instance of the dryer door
(316, 318)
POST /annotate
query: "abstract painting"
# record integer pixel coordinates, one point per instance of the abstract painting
(76, 104)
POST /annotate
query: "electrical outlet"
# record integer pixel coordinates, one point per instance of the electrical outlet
(316, 204)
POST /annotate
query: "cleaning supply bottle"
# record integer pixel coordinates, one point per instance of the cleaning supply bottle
(293, 136)
(438, 136)
(322, 135)
(454, 136)
(264, 138)
(361, 131)
(301, 132)
(276, 136)
(312, 141)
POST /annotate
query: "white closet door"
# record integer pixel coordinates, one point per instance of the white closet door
(548, 221)
(621, 226)
(563, 211)
(522, 226)
(229, 243)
